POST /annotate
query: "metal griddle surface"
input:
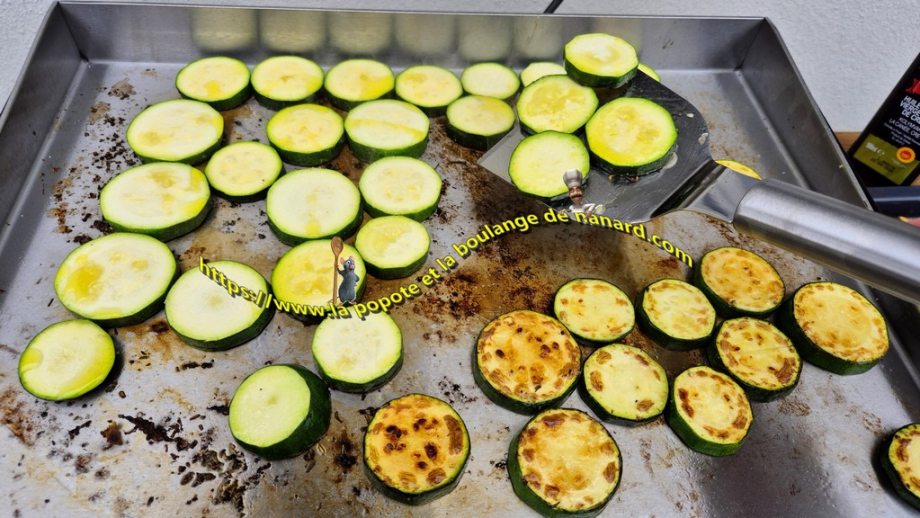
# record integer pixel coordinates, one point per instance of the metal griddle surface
(153, 441)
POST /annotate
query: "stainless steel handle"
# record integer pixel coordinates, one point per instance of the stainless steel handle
(875, 249)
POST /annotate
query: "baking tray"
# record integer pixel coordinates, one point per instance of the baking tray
(153, 441)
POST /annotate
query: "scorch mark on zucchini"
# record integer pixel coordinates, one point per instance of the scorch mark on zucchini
(415, 449)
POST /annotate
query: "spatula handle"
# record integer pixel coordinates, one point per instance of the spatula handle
(878, 250)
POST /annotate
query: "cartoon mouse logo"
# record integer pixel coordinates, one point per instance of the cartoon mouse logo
(347, 289)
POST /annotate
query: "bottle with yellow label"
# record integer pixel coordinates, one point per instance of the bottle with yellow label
(886, 152)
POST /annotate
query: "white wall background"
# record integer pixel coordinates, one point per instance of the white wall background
(850, 52)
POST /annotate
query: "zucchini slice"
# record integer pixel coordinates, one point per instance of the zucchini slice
(180, 130)
(600, 60)
(385, 128)
(900, 457)
(555, 103)
(631, 136)
(282, 81)
(675, 314)
(429, 87)
(740, 168)
(539, 161)
(709, 411)
(415, 449)
(834, 327)
(594, 311)
(739, 283)
(162, 200)
(758, 356)
(356, 81)
(490, 80)
(526, 362)
(478, 122)
(208, 316)
(313, 204)
(116, 280)
(540, 69)
(220, 81)
(244, 171)
(393, 247)
(66, 360)
(279, 411)
(624, 385)
(400, 186)
(358, 355)
(647, 70)
(303, 279)
(306, 135)
(563, 463)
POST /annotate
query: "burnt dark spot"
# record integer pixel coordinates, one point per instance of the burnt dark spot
(346, 457)
(82, 463)
(431, 451)
(76, 430)
(112, 435)
(159, 327)
(220, 409)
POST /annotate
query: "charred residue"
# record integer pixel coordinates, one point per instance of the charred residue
(15, 417)
(112, 435)
(344, 454)
(195, 365)
(454, 393)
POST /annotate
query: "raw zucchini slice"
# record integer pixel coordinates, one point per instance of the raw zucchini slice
(647, 70)
(834, 327)
(624, 385)
(302, 279)
(307, 134)
(400, 186)
(600, 60)
(739, 283)
(415, 449)
(313, 204)
(356, 81)
(709, 412)
(279, 411)
(900, 457)
(478, 122)
(358, 354)
(758, 356)
(162, 200)
(563, 463)
(540, 69)
(176, 131)
(393, 246)
(555, 103)
(66, 360)
(594, 311)
(429, 87)
(116, 280)
(526, 362)
(385, 128)
(211, 317)
(740, 168)
(490, 80)
(539, 161)
(675, 314)
(244, 171)
(220, 81)
(282, 81)
(631, 136)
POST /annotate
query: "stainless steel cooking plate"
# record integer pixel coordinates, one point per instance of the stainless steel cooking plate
(153, 441)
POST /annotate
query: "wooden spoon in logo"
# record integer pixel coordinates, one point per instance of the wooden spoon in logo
(337, 247)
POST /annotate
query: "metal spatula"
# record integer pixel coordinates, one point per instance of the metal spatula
(875, 249)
